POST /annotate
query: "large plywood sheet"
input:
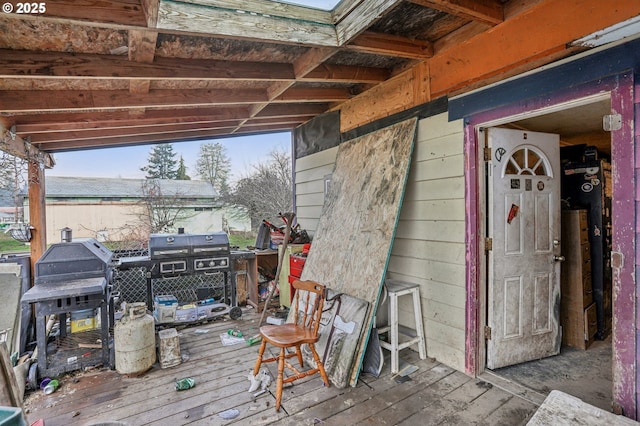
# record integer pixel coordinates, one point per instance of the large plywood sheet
(352, 244)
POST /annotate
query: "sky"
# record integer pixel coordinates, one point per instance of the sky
(125, 162)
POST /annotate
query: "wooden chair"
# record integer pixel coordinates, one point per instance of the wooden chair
(307, 310)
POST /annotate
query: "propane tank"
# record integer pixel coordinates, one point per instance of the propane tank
(135, 340)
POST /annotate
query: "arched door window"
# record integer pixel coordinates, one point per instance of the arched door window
(527, 160)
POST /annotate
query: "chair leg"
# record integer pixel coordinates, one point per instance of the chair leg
(263, 346)
(299, 353)
(280, 379)
(316, 357)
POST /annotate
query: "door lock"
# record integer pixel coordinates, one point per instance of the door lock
(559, 258)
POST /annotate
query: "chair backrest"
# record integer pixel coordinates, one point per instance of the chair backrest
(307, 304)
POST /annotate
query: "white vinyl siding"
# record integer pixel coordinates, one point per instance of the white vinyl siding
(309, 182)
(429, 245)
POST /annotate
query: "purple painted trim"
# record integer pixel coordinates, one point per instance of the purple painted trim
(624, 341)
(626, 393)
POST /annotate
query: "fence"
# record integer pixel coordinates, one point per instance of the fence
(132, 284)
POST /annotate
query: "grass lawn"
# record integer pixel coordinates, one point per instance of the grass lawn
(8, 244)
(242, 239)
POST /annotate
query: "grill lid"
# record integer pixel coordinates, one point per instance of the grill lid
(79, 258)
(165, 246)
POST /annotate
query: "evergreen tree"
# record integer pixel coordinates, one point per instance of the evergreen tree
(181, 173)
(161, 163)
(214, 166)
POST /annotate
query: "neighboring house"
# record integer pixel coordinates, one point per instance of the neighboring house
(110, 208)
(9, 213)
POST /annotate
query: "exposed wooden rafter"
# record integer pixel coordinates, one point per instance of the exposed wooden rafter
(92, 73)
(487, 11)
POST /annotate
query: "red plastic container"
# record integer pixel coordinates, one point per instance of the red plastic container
(296, 264)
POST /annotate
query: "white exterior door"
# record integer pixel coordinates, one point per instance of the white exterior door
(524, 264)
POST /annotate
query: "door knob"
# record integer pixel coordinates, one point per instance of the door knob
(559, 258)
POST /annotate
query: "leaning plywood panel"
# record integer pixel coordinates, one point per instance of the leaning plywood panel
(352, 244)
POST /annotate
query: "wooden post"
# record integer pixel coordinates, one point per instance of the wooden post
(37, 212)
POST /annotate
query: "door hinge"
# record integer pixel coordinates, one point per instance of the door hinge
(487, 332)
(611, 122)
(488, 244)
(487, 153)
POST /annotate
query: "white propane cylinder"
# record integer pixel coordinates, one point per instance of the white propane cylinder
(135, 340)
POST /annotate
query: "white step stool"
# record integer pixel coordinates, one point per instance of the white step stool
(396, 289)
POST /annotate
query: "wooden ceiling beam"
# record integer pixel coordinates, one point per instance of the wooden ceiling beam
(283, 110)
(314, 94)
(25, 64)
(70, 100)
(305, 64)
(44, 139)
(105, 133)
(150, 8)
(35, 131)
(487, 11)
(121, 12)
(142, 46)
(22, 64)
(89, 120)
(24, 101)
(346, 74)
(66, 122)
(160, 138)
(391, 45)
(131, 139)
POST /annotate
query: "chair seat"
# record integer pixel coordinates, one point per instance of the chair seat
(286, 335)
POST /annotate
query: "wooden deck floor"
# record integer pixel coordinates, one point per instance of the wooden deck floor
(436, 394)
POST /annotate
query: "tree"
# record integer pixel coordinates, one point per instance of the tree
(214, 166)
(161, 163)
(267, 190)
(181, 173)
(12, 180)
(159, 211)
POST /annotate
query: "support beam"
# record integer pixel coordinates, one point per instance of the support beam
(487, 11)
(150, 8)
(15, 145)
(37, 211)
(387, 44)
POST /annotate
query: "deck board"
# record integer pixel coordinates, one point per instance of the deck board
(435, 394)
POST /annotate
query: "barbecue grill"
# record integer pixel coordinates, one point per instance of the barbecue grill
(72, 276)
(179, 255)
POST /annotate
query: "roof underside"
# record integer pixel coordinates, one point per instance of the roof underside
(108, 73)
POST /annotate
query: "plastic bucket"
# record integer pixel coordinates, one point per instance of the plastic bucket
(11, 416)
